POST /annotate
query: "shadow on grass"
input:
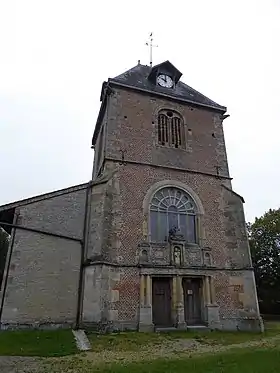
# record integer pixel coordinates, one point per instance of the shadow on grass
(248, 360)
(37, 343)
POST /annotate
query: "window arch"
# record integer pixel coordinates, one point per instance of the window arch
(170, 129)
(172, 208)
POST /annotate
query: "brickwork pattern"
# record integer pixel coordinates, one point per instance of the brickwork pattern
(131, 135)
(45, 269)
(132, 122)
(129, 290)
(134, 189)
(127, 200)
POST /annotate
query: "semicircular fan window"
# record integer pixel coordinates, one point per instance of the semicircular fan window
(172, 210)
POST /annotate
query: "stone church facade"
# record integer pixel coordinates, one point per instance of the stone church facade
(156, 239)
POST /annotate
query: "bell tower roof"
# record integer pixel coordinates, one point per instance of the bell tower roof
(143, 78)
(146, 79)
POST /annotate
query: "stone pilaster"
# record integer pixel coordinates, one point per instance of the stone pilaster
(174, 301)
(181, 323)
(207, 291)
(148, 290)
(212, 291)
(142, 290)
(212, 309)
(145, 312)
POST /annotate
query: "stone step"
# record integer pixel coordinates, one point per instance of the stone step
(166, 329)
(81, 340)
(188, 327)
(197, 328)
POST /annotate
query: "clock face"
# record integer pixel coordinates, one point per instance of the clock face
(165, 81)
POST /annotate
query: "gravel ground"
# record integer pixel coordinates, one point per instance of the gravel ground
(15, 364)
(173, 349)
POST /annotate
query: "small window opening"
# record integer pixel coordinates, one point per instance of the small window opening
(170, 129)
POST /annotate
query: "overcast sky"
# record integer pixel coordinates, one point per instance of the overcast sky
(55, 54)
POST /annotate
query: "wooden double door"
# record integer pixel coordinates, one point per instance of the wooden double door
(192, 288)
(162, 301)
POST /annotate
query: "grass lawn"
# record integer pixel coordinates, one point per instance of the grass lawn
(61, 342)
(37, 343)
(245, 361)
(132, 341)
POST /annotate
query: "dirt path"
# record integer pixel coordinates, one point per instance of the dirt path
(173, 349)
(84, 362)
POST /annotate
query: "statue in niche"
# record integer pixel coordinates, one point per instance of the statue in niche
(144, 256)
(177, 255)
(207, 259)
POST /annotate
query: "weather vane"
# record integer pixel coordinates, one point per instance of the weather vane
(150, 44)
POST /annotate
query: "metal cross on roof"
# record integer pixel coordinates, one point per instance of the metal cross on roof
(151, 45)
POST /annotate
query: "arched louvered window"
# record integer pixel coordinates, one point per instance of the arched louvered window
(170, 129)
(162, 129)
(172, 208)
(176, 132)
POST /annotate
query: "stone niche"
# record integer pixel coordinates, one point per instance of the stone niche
(176, 254)
(177, 249)
(207, 260)
(143, 253)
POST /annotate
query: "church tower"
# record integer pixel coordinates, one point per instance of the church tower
(166, 240)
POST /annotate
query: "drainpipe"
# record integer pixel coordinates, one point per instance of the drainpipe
(82, 267)
(8, 268)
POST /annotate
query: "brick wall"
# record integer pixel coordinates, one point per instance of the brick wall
(132, 120)
(136, 163)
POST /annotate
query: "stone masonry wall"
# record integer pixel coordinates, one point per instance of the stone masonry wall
(44, 272)
(43, 281)
(100, 147)
(62, 214)
(236, 241)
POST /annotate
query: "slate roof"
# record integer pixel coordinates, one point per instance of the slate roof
(137, 77)
(44, 196)
(141, 77)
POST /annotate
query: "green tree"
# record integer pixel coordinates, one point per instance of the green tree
(264, 238)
